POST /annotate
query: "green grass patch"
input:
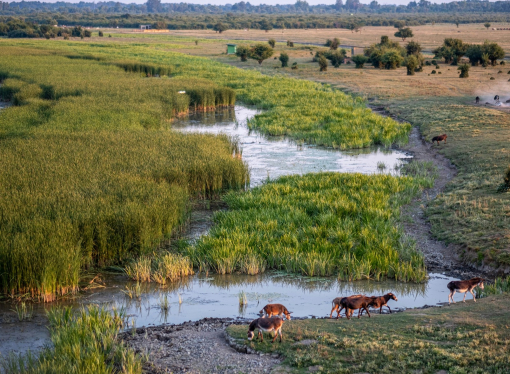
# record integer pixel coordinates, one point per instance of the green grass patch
(84, 343)
(464, 338)
(317, 225)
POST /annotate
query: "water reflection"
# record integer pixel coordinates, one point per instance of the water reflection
(272, 157)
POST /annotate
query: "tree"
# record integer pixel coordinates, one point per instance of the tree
(153, 6)
(336, 57)
(494, 52)
(260, 52)
(323, 63)
(487, 25)
(404, 33)
(339, 4)
(464, 71)
(290, 44)
(413, 48)
(242, 51)
(220, 27)
(352, 4)
(412, 64)
(451, 50)
(474, 53)
(334, 44)
(160, 25)
(359, 60)
(100, 33)
(485, 60)
(457, 23)
(271, 42)
(265, 25)
(392, 59)
(399, 24)
(284, 58)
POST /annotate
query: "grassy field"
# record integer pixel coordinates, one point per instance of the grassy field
(463, 338)
(317, 225)
(93, 174)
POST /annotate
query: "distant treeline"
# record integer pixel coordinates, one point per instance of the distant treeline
(300, 7)
(227, 21)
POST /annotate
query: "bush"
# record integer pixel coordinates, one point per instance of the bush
(505, 186)
(260, 52)
(433, 72)
(243, 51)
(290, 44)
(323, 63)
(392, 60)
(492, 78)
(502, 63)
(294, 66)
(464, 71)
(404, 33)
(359, 60)
(427, 63)
(284, 58)
(271, 42)
(411, 64)
(100, 33)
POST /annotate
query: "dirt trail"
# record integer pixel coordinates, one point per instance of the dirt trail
(197, 347)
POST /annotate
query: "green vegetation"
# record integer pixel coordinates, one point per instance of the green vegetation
(88, 156)
(464, 71)
(453, 49)
(87, 343)
(284, 59)
(404, 33)
(317, 225)
(260, 52)
(159, 268)
(464, 338)
(359, 60)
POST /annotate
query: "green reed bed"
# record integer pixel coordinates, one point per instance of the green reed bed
(90, 176)
(317, 225)
(84, 343)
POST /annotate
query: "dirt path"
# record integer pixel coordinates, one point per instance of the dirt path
(197, 347)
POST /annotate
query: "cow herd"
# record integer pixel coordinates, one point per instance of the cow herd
(273, 315)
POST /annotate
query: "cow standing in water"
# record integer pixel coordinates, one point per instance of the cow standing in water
(464, 286)
(266, 324)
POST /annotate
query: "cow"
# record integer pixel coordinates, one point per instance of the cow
(266, 324)
(275, 310)
(464, 286)
(439, 138)
(337, 305)
(477, 100)
(380, 301)
(355, 302)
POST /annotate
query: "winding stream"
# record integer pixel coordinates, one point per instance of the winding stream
(218, 296)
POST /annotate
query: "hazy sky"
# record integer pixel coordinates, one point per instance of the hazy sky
(253, 2)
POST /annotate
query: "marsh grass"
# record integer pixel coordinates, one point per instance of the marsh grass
(160, 268)
(23, 311)
(83, 343)
(243, 299)
(316, 225)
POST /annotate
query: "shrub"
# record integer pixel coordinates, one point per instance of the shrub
(404, 33)
(87, 33)
(392, 59)
(359, 60)
(323, 63)
(492, 78)
(294, 66)
(505, 186)
(243, 51)
(100, 33)
(464, 71)
(284, 58)
(290, 44)
(333, 44)
(427, 63)
(271, 42)
(433, 72)
(260, 52)
(502, 63)
(411, 64)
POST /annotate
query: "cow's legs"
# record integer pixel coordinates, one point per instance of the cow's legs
(472, 293)
(450, 296)
(464, 299)
(332, 310)
(388, 308)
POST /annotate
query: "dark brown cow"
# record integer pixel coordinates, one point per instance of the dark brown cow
(439, 138)
(352, 303)
(380, 301)
(337, 305)
(266, 324)
(464, 286)
(275, 310)
(477, 100)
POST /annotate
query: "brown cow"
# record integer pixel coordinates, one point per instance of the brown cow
(352, 303)
(337, 305)
(380, 301)
(266, 324)
(275, 310)
(439, 138)
(464, 286)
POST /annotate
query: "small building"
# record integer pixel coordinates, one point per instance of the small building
(231, 49)
(145, 27)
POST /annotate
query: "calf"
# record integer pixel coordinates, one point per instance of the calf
(380, 301)
(337, 305)
(439, 138)
(464, 286)
(266, 324)
(275, 310)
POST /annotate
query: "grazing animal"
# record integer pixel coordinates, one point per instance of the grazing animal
(380, 301)
(477, 100)
(355, 302)
(275, 310)
(464, 286)
(266, 324)
(337, 305)
(439, 138)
